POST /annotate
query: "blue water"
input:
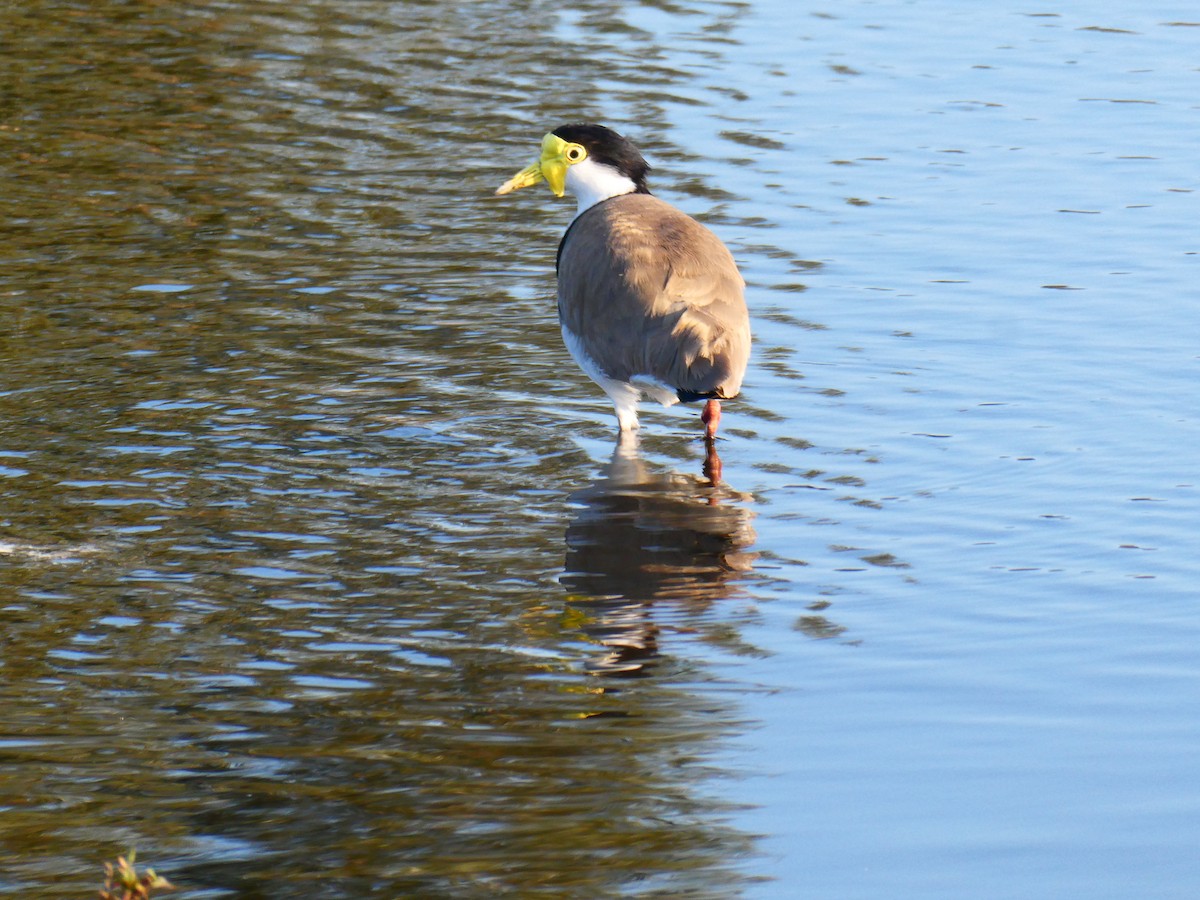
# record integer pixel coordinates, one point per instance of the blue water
(970, 237)
(319, 572)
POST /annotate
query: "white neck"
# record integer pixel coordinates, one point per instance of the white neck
(589, 182)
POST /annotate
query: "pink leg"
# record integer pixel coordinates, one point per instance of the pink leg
(711, 417)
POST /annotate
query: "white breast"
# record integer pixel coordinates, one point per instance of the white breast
(624, 394)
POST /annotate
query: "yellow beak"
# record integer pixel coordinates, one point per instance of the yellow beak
(552, 168)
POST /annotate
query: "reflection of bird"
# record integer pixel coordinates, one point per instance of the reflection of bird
(650, 301)
(640, 536)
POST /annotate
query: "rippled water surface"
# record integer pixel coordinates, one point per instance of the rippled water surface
(322, 574)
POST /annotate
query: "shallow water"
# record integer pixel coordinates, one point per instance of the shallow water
(320, 570)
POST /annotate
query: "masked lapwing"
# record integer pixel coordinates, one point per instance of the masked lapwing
(650, 301)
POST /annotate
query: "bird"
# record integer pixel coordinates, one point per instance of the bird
(650, 301)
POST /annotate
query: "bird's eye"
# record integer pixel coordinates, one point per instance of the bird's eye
(575, 153)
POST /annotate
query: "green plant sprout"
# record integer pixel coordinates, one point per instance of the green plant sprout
(122, 882)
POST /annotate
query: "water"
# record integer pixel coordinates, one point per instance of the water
(321, 571)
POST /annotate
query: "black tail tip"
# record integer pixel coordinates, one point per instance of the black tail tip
(686, 396)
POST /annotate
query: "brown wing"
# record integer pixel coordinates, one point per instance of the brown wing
(649, 291)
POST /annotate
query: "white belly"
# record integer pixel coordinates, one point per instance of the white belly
(624, 394)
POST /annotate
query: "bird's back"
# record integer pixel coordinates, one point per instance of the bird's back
(648, 291)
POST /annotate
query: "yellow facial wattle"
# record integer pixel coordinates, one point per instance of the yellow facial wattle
(557, 156)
